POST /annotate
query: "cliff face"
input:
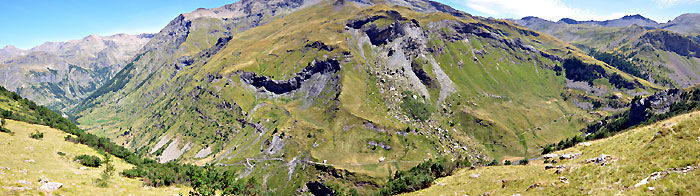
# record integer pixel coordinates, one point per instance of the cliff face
(60, 74)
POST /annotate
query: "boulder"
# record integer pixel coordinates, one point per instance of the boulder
(51, 186)
(569, 156)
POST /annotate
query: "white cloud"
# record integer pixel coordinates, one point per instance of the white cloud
(547, 9)
(668, 3)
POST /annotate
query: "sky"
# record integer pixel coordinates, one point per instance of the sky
(28, 23)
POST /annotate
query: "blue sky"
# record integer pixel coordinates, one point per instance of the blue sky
(28, 23)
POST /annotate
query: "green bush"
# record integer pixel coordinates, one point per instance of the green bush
(89, 160)
(36, 135)
(422, 175)
(507, 162)
(415, 107)
(61, 153)
(524, 162)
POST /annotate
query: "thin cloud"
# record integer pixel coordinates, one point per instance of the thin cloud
(547, 9)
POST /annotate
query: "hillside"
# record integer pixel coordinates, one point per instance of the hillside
(24, 161)
(364, 87)
(60, 74)
(661, 53)
(664, 155)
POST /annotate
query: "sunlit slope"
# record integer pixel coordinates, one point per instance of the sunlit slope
(372, 89)
(668, 147)
(28, 159)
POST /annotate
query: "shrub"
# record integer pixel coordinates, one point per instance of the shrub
(103, 181)
(507, 162)
(89, 160)
(524, 162)
(36, 135)
(422, 175)
(61, 153)
(415, 107)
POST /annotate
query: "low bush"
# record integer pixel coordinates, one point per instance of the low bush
(36, 135)
(422, 175)
(89, 160)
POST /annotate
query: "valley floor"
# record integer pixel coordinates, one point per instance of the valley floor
(657, 159)
(25, 161)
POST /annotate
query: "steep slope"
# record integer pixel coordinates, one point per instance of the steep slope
(60, 74)
(51, 158)
(684, 24)
(659, 159)
(365, 87)
(660, 56)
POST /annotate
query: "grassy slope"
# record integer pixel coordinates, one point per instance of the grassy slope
(252, 52)
(667, 144)
(532, 113)
(19, 148)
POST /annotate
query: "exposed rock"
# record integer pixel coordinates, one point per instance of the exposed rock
(51, 186)
(173, 151)
(603, 159)
(380, 144)
(163, 140)
(550, 156)
(474, 175)
(203, 153)
(280, 87)
(569, 156)
(658, 175)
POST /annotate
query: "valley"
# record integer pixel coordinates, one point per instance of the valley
(355, 97)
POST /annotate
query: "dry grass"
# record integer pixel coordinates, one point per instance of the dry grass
(668, 144)
(18, 149)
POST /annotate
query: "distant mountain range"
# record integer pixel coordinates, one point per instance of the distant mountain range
(60, 74)
(685, 24)
(664, 53)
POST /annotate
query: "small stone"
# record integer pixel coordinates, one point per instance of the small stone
(30, 161)
(83, 168)
(51, 186)
(474, 175)
(651, 188)
(24, 182)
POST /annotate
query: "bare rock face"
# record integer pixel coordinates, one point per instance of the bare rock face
(51, 186)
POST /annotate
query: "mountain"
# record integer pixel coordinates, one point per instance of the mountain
(60, 74)
(661, 53)
(349, 90)
(628, 20)
(684, 24)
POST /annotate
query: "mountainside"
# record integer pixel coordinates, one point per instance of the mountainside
(621, 22)
(658, 159)
(364, 87)
(60, 74)
(662, 53)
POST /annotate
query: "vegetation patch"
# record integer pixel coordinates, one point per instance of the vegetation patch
(422, 175)
(89, 160)
(415, 107)
(36, 135)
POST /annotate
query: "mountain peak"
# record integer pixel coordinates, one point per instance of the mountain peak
(569, 21)
(636, 16)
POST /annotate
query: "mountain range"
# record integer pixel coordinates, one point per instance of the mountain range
(663, 53)
(318, 96)
(61, 74)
